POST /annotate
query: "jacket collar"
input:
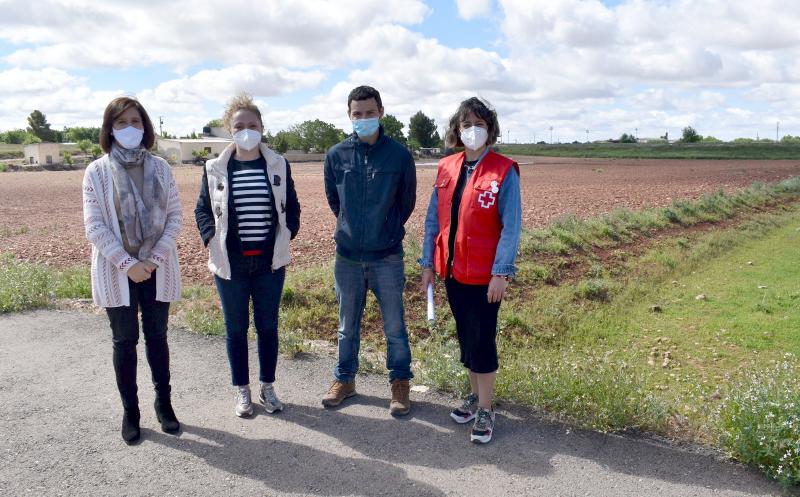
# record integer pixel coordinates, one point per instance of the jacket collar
(221, 163)
(359, 143)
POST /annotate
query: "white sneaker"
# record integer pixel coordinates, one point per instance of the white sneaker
(483, 427)
(466, 412)
(244, 406)
(269, 399)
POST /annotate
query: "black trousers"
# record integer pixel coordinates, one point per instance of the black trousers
(476, 325)
(125, 332)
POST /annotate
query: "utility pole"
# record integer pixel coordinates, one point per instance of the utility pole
(508, 136)
(160, 124)
(777, 130)
(637, 134)
(587, 136)
(551, 135)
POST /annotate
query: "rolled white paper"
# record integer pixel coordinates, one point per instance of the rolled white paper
(431, 317)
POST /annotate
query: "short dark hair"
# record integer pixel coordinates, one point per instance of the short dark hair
(114, 109)
(483, 110)
(364, 93)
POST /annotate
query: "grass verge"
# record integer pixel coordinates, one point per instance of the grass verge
(754, 151)
(25, 285)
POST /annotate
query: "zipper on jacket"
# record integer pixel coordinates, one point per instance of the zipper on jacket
(364, 198)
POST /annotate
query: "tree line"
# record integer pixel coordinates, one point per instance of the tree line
(310, 135)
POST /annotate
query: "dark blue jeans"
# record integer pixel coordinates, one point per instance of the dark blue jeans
(124, 322)
(386, 278)
(252, 278)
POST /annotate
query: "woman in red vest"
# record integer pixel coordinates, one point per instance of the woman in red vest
(472, 232)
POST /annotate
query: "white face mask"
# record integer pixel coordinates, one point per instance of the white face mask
(474, 137)
(247, 139)
(129, 137)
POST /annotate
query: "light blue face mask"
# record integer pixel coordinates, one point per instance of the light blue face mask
(366, 127)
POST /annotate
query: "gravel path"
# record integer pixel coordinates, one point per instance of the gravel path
(60, 415)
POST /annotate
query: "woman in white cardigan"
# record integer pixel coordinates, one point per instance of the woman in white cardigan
(132, 216)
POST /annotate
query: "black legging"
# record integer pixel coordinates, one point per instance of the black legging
(125, 331)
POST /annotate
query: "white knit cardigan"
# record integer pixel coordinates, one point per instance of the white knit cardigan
(110, 261)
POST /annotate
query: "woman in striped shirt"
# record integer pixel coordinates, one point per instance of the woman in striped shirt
(247, 213)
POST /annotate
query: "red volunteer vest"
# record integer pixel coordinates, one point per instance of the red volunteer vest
(479, 223)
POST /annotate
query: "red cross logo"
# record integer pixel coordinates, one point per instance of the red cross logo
(487, 199)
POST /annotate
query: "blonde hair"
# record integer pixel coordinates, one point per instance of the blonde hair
(240, 101)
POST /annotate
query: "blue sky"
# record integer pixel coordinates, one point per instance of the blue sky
(610, 67)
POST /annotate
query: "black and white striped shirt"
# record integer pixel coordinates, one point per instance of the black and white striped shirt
(253, 204)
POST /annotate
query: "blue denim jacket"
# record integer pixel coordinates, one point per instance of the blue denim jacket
(509, 205)
(372, 190)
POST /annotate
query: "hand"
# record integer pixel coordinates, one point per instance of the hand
(497, 289)
(150, 266)
(428, 278)
(138, 272)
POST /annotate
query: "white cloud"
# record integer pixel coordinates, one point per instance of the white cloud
(655, 65)
(189, 93)
(181, 33)
(473, 9)
(65, 99)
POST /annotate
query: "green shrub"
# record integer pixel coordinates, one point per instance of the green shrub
(291, 342)
(759, 421)
(596, 289)
(23, 285)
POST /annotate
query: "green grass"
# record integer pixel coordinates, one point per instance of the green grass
(755, 151)
(570, 234)
(649, 354)
(25, 285)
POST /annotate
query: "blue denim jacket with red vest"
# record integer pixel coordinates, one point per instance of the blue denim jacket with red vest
(489, 220)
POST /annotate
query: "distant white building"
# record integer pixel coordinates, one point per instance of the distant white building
(44, 153)
(179, 150)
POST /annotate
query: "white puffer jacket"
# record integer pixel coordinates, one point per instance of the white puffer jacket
(217, 172)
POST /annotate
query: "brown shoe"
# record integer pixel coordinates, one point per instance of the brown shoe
(401, 403)
(338, 392)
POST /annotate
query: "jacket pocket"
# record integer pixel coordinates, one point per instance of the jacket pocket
(480, 257)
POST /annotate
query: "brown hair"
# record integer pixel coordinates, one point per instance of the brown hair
(240, 101)
(113, 110)
(483, 110)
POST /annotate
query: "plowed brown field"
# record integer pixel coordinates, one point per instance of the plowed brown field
(41, 214)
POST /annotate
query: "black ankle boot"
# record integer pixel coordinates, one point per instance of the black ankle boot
(130, 426)
(166, 416)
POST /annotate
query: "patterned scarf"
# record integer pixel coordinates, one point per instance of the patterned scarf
(143, 214)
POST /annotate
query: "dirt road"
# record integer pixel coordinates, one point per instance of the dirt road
(60, 415)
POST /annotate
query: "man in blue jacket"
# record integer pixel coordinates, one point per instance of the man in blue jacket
(371, 184)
